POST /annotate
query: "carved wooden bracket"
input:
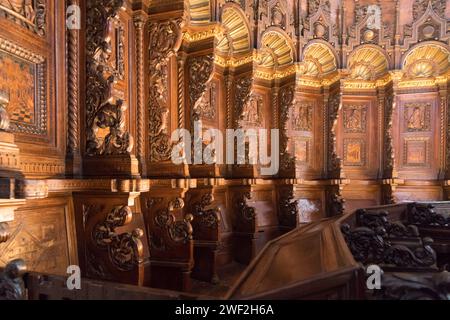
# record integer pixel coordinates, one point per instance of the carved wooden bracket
(126, 249)
(245, 214)
(288, 208)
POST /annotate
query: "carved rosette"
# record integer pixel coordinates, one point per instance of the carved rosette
(165, 37)
(207, 218)
(287, 101)
(103, 110)
(12, 286)
(126, 249)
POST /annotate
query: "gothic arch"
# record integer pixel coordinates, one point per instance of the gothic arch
(236, 38)
(318, 60)
(276, 48)
(367, 62)
(426, 60)
(199, 11)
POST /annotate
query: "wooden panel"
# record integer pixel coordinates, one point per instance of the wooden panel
(418, 136)
(42, 235)
(358, 142)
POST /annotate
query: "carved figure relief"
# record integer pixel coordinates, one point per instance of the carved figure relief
(278, 18)
(201, 91)
(302, 117)
(417, 117)
(355, 119)
(253, 110)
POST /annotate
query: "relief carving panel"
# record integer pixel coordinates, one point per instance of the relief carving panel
(417, 117)
(302, 117)
(355, 119)
(28, 13)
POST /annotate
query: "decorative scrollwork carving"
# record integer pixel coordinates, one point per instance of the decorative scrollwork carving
(208, 218)
(164, 41)
(12, 286)
(178, 231)
(375, 220)
(104, 111)
(425, 215)
(371, 246)
(126, 249)
(246, 212)
(366, 245)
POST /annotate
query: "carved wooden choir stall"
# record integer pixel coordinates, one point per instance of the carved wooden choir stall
(92, 93)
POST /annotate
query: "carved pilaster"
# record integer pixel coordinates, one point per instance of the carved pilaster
(73, 156)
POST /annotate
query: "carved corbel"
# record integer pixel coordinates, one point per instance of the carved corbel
(125, 249)
(106, 253)
(245, 213)
(12, 286)
(170, 238)
(288, 215)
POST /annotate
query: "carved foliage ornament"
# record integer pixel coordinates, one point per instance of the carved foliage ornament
(287, 100)
(29, 13)
(126, 249)
(243, 91)
(209, 218)
(164, 40)
(289, 209)
(178, 231)
(104, 112)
